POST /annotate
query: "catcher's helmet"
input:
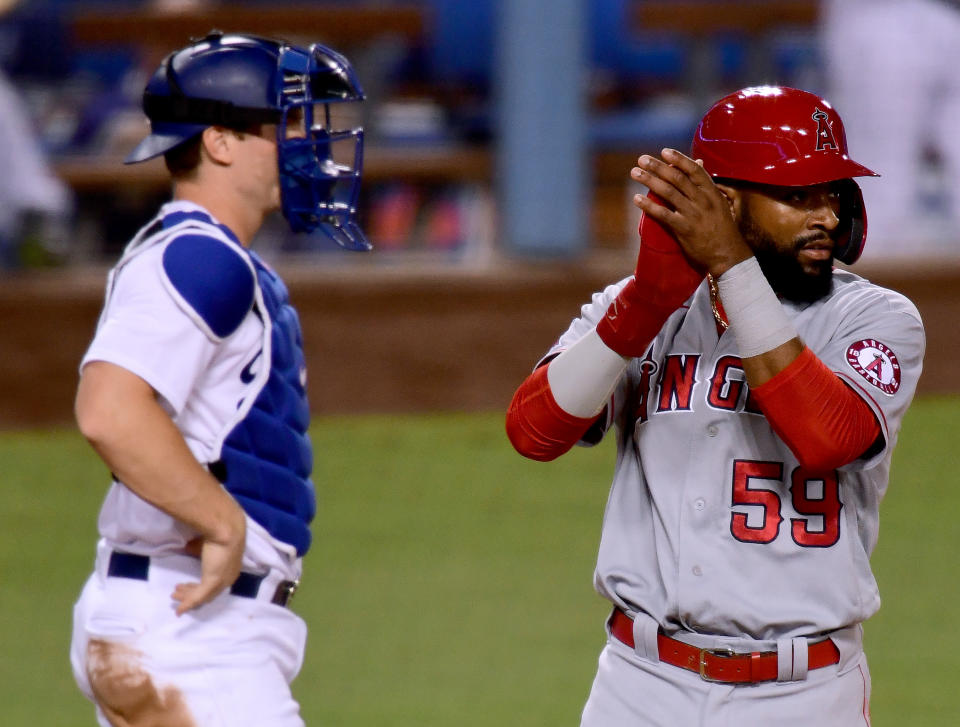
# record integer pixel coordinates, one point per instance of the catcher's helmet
(786, 137)
(238, 80)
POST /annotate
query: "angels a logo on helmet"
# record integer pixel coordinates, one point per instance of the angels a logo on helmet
(766, 135)
(825, 137)
(877, 363)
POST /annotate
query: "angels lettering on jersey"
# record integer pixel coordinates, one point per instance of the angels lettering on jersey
(671, 387)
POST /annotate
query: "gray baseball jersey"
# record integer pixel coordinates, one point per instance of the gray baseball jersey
(712, 525)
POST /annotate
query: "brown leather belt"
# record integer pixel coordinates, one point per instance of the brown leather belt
(722, 665)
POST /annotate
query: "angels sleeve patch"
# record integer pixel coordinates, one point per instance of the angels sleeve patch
(877, 363)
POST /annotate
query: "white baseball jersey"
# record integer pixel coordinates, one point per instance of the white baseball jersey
(147, 328)
(712, 525)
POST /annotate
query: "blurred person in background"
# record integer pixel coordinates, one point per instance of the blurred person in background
(34, 203)
(891, 66)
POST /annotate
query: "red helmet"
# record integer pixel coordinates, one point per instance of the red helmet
(785, 137)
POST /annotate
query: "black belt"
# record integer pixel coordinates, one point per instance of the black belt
(247, 585)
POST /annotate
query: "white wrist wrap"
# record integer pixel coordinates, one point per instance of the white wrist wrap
(758, 321)
(582, 377)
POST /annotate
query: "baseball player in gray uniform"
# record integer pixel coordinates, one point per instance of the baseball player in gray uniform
(193, 392)
(756, 394)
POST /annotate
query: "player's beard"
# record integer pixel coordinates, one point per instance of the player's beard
(788, 277)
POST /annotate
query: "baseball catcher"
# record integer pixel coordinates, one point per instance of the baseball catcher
(193, 392)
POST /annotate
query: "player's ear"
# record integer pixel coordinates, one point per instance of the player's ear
(216, 143)
(733, 195)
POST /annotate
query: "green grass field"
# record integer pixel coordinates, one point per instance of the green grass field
(450, 583)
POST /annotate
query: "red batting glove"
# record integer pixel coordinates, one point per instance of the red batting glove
(663, 280)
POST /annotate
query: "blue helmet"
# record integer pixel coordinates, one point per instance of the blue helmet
(239, 80)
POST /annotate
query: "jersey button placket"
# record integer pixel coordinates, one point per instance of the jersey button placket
(694, 515)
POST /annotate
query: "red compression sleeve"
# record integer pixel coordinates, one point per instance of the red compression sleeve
(536, 425)
(822, 420)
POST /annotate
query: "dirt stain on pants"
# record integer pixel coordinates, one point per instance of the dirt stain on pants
(126, 693)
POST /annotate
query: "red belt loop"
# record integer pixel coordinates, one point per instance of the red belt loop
(721, 665)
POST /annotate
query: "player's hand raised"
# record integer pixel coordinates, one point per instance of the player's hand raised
(696, 212)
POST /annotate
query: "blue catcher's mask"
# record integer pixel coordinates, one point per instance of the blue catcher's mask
(239, 80)
(320, 166)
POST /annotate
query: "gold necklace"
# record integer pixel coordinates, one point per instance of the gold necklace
(715, 304)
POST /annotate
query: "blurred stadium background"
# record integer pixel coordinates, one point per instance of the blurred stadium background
(452, 578)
